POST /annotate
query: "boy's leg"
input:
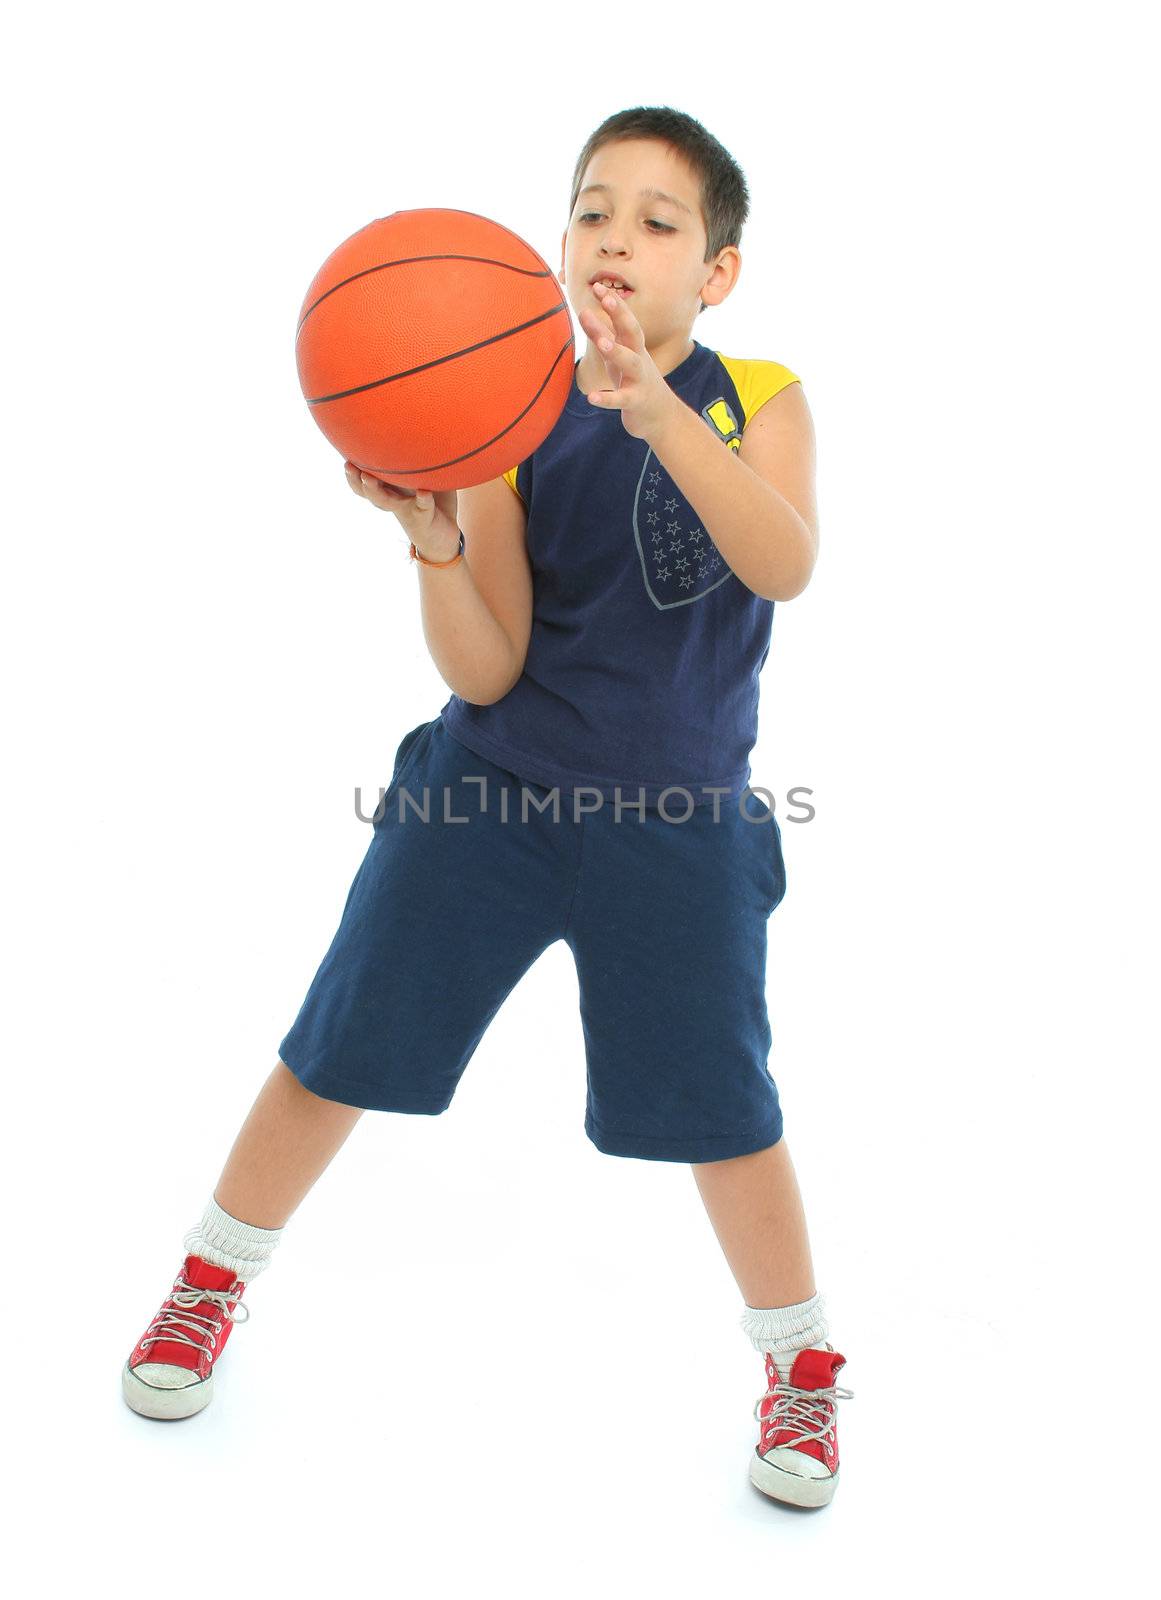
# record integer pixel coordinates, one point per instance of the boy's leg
(756, 1210)
(286, 1141)
(284, 1145)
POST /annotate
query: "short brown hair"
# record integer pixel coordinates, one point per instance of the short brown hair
(725, 199)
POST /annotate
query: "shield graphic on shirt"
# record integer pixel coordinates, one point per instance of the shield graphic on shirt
(679, 560)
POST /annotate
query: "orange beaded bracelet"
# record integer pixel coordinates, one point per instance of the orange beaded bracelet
(415, 556)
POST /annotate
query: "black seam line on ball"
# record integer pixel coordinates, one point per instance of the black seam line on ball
(436, 466)
(405, 261)
(454, 355)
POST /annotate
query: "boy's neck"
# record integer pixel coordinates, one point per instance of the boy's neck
(592, 373)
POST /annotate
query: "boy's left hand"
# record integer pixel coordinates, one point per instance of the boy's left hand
(639, 392)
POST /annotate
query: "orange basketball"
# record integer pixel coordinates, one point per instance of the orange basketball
(435, 349)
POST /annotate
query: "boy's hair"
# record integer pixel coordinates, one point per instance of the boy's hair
(725, 199)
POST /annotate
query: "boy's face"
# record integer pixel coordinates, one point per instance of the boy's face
(657, 246)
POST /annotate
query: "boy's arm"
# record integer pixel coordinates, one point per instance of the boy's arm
(477, 615)
(756, 504)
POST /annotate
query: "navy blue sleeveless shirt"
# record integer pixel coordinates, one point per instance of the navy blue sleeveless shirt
(643, 661)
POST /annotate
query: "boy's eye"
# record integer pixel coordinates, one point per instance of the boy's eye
(663, 226)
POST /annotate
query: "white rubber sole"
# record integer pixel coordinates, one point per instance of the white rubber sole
(789, 1486)
(166, 1404)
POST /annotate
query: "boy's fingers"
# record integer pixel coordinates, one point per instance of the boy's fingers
(387, 489)
(597, 324)
(388, 496)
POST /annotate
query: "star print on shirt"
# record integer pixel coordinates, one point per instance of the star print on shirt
(695, 567)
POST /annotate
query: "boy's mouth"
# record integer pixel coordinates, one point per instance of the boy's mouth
(598, 286)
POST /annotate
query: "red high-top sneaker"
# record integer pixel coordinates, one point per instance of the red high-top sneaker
(170, 1372)
(797, 1457)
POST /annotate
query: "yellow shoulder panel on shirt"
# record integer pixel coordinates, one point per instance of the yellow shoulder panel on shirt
(510, 478)
(756, 381)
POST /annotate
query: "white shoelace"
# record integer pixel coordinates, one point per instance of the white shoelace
(170, 1322)
(812, 1410)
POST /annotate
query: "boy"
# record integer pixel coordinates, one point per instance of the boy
(601, 613)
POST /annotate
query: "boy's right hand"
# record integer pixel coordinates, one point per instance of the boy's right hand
(428, 517)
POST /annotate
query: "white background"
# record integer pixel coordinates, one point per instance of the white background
(484, 1351)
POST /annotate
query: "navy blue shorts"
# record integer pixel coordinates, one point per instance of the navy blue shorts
(666, 921)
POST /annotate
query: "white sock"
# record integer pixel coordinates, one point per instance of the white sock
(239, 1246)
(785, 1330)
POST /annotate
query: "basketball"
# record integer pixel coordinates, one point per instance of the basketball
(435, 349)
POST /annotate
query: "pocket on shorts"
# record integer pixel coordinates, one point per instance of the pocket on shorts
(779, 862)
(765, 825)
(408, 747)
